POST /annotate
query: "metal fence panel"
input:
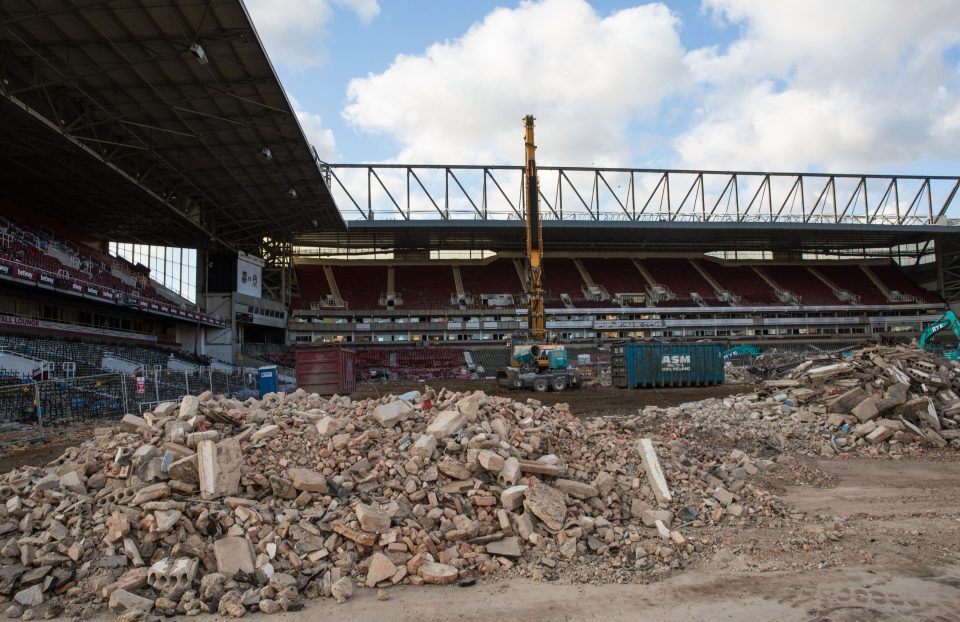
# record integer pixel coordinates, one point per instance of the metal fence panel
(67, 400)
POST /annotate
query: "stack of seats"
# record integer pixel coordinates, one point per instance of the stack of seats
(410, 362)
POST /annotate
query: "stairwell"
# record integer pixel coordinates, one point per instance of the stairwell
(785, 296)
(522, 275)
(583, 273)
(656, 291)
(459, 298)
(332, 285)
(592, 290)
(390, 298)
(458, 281)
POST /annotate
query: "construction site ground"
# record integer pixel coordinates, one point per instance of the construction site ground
(898, 557)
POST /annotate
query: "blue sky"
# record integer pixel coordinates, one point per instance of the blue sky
(857, 86)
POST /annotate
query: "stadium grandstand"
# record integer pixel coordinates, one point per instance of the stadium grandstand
(160, 205)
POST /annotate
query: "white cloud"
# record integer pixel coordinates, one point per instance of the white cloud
(317, 135)
(585, 76)
(294, 31)
(366, 10)
(856, 85)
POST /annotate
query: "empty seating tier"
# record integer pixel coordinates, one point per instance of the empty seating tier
(423, 286)
(803, 283)
(853, 280)
(361, 286)
(742, 281)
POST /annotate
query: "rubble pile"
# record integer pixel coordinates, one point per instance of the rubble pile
(221, 506)
(879, 401)
(773, 358)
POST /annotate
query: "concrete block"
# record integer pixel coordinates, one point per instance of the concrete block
(655, 475)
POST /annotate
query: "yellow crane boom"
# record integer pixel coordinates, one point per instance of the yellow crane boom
(536, 323)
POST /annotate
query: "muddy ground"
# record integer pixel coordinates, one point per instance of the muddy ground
(896, 554)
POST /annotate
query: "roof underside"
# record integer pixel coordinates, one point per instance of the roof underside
(111, 123)
(635, 236)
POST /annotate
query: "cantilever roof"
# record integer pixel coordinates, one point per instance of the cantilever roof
(110, 121)
(579, 236)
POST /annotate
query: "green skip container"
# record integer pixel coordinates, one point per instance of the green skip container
(642, 365)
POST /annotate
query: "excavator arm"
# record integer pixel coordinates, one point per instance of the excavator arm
(947, 320)
(536, 322)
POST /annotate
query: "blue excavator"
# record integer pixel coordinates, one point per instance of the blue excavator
(947, 320)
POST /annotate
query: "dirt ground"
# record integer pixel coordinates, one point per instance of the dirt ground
(897, 555)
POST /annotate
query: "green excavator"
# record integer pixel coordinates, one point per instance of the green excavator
(947, 320)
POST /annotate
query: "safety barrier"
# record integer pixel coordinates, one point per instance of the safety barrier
(67, 400)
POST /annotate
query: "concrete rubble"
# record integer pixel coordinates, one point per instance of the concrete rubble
(230, 507)
(879, 401)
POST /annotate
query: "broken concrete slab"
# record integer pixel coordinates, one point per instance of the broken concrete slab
(308, 481)
(548, 504)
(446, 423)
(655, 475)
(508, 547)
(577, 489)
(219, 468)
(389, 415)
(234, 554)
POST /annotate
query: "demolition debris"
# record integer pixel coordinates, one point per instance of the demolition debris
(880, 401)
(216, 505)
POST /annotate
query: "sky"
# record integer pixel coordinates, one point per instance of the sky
(856, 86)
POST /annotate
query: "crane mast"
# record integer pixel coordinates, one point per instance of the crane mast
(536, 323)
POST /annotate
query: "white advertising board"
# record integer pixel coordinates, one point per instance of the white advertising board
(250, 275)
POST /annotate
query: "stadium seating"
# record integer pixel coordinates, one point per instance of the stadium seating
(894, 278)
(431, 287)
(681, 278)
(88, 355)
(742, 281)
(808, 288)
(28, 246)
(852, 279)
(496, 277)
(361, 286)
(409, 362)
(562, 277)
(617, 275)
(312, 281)
(424, 287)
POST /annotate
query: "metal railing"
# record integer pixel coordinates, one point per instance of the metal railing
(68, 400)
